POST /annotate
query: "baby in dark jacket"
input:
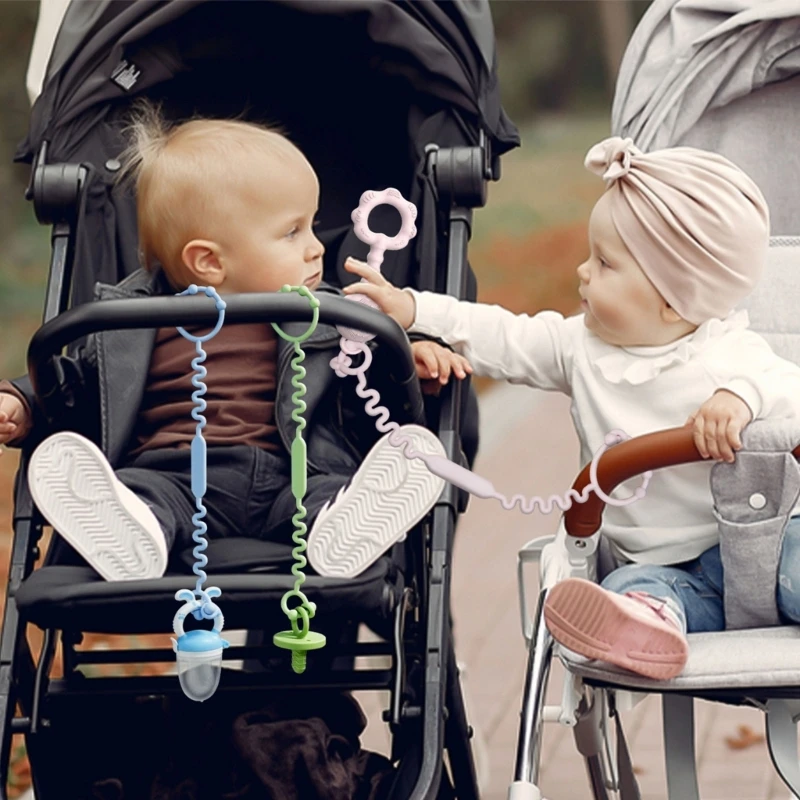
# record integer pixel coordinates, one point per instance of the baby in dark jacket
(230, 205)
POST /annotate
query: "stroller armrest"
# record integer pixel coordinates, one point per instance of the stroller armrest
(627, 460)
(158, 312)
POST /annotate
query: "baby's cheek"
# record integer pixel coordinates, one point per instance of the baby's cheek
(609, 310)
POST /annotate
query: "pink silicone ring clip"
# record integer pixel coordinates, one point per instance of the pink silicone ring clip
(379, 243)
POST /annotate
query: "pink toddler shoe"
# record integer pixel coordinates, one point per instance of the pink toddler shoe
(635, 631)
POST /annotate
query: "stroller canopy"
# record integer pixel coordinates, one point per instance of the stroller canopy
(691, 56)
(107, 48)
(723, 75)
(361, 86)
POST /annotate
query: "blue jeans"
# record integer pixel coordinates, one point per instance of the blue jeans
(695, 588)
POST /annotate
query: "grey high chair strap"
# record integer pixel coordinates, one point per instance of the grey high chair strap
(753, 500)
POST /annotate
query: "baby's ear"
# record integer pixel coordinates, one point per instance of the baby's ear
(669, 314)
(201, 258)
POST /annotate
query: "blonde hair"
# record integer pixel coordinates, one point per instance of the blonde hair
(183, 175)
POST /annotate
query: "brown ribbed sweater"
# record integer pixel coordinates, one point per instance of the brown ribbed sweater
(241, 363)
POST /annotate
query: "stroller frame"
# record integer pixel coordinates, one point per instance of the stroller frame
(591, 706)
(426, 705)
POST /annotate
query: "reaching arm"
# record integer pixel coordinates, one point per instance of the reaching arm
(536, 350)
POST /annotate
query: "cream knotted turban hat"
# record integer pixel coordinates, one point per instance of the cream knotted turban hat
(695, 223)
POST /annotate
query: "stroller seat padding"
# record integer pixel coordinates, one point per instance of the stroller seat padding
(77, 598)
(758, 657)
(238, 555)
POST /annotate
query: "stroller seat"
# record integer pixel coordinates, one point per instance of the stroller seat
(252, 575)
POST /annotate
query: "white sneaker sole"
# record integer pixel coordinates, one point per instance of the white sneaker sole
(387, 496)
(76, 490)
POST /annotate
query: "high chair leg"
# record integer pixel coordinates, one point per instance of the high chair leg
(681, 762)
(591, 738)
(781, 722)
(526, 772)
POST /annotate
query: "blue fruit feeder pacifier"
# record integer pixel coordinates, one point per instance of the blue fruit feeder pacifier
(199, 652)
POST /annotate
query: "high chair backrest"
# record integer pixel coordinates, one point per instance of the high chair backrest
(755, 496)
(773, 306)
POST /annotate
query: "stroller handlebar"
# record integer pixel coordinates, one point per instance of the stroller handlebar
(653, 451)
(162, 312)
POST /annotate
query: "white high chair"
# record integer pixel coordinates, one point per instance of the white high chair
(757, 667)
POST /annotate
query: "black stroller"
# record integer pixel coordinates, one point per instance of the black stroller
(376, 94)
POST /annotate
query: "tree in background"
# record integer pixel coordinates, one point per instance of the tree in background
(561, 56)
(17, 24)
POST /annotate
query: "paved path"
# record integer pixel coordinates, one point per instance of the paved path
(528, 446)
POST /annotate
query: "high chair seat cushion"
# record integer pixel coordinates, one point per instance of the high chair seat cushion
(77, 598)
(759, 657)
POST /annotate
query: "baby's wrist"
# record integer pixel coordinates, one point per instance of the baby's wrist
(411, 307)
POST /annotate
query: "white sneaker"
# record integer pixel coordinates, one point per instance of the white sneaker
(387, 496)
(76, 490)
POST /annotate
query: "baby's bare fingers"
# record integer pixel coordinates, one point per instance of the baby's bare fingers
(445, 367)
(375, 293)
(710, 435)
(723, 443)
(428, 361)
(699, 436)
(365, 271)
(461, 366)
(734, 436)
(455, 365)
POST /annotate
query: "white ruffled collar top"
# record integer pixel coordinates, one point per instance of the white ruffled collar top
(637, 365)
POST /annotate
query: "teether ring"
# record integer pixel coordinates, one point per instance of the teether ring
(379, 242)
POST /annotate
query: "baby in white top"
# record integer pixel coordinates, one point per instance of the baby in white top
(678, 239)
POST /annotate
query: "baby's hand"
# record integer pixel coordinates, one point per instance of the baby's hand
(13, 416)
(718, 423)
(392, 301)
(435, 363)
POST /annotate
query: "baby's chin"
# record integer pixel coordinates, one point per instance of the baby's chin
(591, 325)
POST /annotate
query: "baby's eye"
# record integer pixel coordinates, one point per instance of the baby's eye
(603, 262)
(293, 232)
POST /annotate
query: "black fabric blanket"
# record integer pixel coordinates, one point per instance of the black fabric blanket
(290, 749)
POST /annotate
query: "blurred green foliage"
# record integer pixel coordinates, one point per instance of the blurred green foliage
(557, 55)
(17, 24)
